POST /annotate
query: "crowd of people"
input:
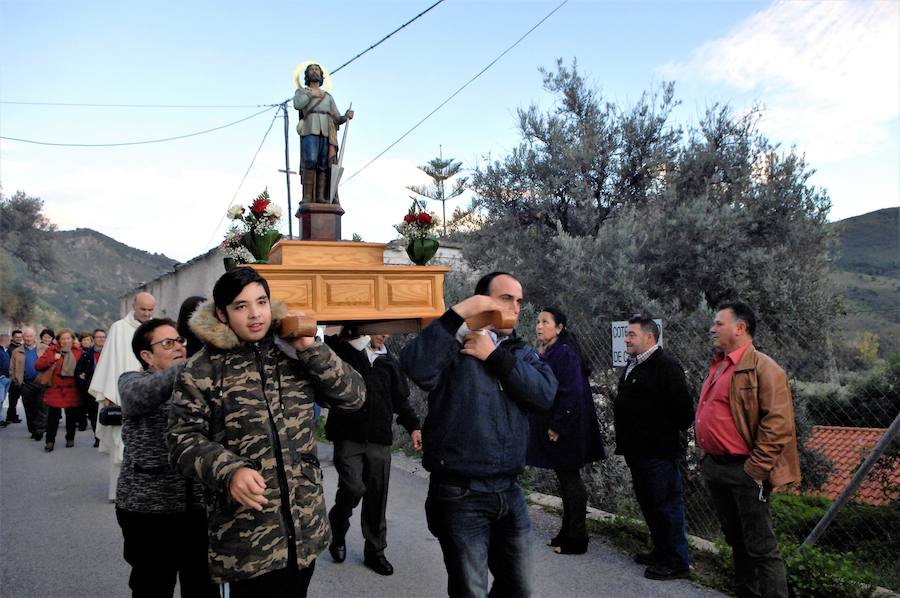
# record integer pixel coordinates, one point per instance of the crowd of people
(210, 422)
(50, 376)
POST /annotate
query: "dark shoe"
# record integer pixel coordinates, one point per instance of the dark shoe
(338, 550)
(13, 420)
(645, 558)
(48, 447)
(664, 573)
(82, 426)
(3, 424)
(379, 565)
(554, 541)
(70, 443)
(96, 442)
(567, 546)
(37, 436)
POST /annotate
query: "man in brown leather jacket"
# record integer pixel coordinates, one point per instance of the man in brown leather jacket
(745, 429)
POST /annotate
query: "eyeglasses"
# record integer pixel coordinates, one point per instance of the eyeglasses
(168, 343)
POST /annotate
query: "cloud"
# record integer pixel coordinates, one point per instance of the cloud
(179, 210)
(828, 73)
(377, 199)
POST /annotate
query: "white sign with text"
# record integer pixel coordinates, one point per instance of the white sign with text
(619, 356)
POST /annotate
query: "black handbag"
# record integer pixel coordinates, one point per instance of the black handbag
(111, 415)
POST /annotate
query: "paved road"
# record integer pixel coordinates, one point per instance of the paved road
(59, 537)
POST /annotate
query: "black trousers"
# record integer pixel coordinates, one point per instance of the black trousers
(747, 524)
(574, 500)
(54, 414)
(364, 470)
(161, 546)
(35, 411)
(15, 391)
(88, 410)
(290, 582)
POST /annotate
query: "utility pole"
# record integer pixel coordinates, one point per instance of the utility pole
(287, 171)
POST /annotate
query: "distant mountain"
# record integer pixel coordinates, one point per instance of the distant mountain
(869, 244)
(94, 271)
(867, 275)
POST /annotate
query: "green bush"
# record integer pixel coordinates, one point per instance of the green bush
(866, 535)
(795, 516)
(824, 403)
(813, 573)
(874, 395)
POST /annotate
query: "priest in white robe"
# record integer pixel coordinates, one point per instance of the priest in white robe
(118, 358)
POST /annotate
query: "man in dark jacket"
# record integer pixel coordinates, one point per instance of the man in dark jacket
(362, 446)
(15, 390)
(4, 374)
(481, 385)
(84, 373)
(652, 408)
(160, 512)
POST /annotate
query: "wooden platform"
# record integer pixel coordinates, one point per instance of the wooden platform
(339, 281)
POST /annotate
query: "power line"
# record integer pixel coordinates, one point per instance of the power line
(89, 105)
(268, 106)
(243, 179)
(231, 124)
(455, 93)
(379, 42)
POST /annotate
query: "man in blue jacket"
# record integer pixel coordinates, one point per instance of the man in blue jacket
(481, 385)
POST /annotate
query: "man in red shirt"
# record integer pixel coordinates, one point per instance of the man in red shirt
(748, 441)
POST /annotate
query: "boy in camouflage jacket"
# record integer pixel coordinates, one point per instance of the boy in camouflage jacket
(241, 422)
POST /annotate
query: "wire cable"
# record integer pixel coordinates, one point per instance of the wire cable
(241, 184)
(454, 94)
(88, 105)
(231, 124)
(268, 106)
(379, 42)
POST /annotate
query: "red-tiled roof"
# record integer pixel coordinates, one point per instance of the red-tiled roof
(847, 448)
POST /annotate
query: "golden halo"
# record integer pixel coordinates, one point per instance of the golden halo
(298, 74)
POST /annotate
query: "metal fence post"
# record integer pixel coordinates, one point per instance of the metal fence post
(853, 486)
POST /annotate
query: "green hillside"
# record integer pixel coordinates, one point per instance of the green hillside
(869, 244)
(94, 271)
(867, 276)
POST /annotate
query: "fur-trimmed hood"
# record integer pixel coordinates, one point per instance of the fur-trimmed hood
(211, 331)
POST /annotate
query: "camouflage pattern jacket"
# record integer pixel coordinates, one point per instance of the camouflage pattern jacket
(240, 404)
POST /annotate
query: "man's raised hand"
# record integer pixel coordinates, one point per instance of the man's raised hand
(476, 304)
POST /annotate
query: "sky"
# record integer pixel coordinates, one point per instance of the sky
(826, 73)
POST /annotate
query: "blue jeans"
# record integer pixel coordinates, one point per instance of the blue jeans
(314, 152)
(660, 494)
(5, 381)
(481, 531)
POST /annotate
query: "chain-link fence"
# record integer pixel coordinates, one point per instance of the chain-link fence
(844, 401)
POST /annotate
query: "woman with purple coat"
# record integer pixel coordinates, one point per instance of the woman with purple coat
(568, 436)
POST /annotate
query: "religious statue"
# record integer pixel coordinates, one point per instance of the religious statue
(319, 122)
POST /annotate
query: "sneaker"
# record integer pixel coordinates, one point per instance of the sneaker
(70, 443)
(664, 573)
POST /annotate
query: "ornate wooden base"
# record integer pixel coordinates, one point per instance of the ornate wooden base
(348, 282)
(320, 221)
